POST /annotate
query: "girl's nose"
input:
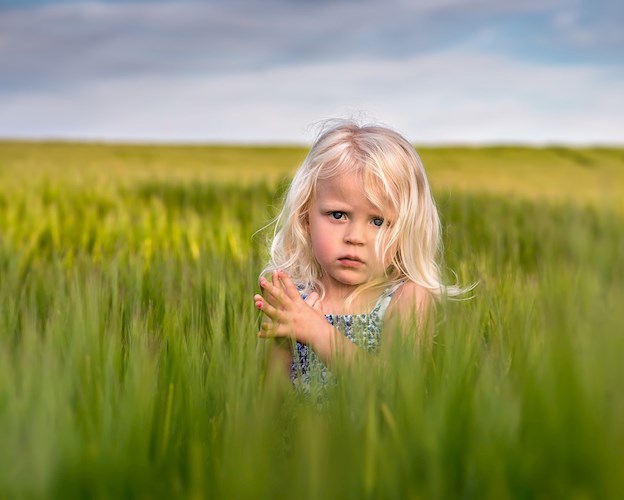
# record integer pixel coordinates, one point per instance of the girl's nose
(355, 234)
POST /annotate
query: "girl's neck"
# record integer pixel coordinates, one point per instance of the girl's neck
(336, 301)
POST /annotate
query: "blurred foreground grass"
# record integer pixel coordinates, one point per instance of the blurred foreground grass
(129, 364)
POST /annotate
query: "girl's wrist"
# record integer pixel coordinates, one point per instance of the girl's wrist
(318, 338)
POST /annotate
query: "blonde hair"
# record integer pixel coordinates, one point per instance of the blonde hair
(394, 180)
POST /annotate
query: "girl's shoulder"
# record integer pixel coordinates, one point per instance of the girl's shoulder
(410, 298)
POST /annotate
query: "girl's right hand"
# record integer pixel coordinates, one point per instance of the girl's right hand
(286, 314)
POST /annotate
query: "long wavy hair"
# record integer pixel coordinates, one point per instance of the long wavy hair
(394, 180)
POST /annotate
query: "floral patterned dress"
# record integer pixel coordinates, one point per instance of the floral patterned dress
(364, 330)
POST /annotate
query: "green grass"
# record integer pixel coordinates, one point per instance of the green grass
(129, 365)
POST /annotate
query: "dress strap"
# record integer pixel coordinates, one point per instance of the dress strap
(384, 300)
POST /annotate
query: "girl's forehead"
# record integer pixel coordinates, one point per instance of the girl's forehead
(354, 186)
(341, 184)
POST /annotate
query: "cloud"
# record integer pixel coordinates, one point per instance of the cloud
(452, 96)
(445, 70)
(71, 42)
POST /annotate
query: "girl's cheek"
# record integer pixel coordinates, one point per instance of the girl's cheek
(390, 255)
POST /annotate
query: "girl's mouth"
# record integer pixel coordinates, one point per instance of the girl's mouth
(350, 262)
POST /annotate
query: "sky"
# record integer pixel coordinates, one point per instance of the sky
(268, 71)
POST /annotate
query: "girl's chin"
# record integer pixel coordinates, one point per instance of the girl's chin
(348, 279)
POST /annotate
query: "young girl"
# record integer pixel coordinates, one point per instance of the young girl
(355, 251)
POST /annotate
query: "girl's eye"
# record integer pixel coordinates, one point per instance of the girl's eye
(378, 222)
(337, 215)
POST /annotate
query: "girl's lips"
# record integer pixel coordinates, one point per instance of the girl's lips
(350, 262)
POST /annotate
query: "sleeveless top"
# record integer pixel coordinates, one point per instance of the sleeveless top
(364, 330)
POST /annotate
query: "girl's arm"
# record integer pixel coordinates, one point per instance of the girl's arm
(279, 359)
(409, 313)
(287, 315)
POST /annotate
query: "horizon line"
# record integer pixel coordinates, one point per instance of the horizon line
(294, 144)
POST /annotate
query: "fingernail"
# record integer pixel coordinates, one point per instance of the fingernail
(259, 305)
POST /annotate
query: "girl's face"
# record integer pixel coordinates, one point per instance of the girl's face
(344, 226)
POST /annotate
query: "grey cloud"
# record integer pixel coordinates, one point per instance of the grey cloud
(215, 70)
(436, 98)
(68, 44)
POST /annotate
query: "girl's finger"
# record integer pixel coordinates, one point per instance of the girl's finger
(258, 300)
(270, 330)
(266, 329)
(275, 278)
(318, 306)
(315, 302)
(265, 289)
(289, 286)
(264, 306)
(275, 294)
(312, 299)
(277, 282)
(269, 311)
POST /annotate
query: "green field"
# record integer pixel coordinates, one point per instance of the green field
(129, 365)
